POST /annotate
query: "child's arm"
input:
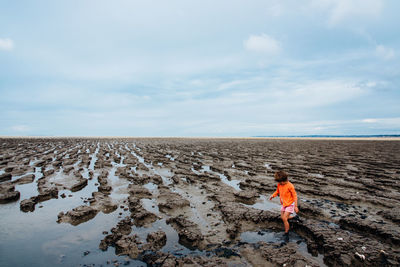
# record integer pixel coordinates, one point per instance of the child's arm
(274, 194)
(294, 194)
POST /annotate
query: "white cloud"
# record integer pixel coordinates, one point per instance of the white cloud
(6, 44)
(395, 122)
(369, 120)
(262, 43)
(340, 10)
(384, 52)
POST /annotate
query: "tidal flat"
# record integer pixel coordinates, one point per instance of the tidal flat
(197, 201)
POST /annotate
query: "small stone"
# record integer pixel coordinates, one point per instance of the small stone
(360, 256)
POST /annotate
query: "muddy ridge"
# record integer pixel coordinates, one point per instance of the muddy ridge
(176, 202)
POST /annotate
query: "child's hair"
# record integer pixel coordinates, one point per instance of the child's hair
(281, 176)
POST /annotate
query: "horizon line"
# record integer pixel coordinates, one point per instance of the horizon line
(310, 137)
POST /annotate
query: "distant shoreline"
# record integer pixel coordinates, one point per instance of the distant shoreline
(350, 137)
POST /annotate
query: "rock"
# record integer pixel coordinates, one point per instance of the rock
(25, 179)
(247, 197)
(48, 172)
(77, 215)
(79, 185)
(9, 168)
(8, 193)
(233, 230)
(189, 233)
(57, 163)
(371, 228)
(28, 204)
(360, 256)
(68, 169)
(128, 246)
(138, 191)
(392, 214)
(123, 228)
(47, 194)
(139, 214)
(40, 163)
(143, 217)
(9, 197)
(157, 240)
(104, 188)
(271, 255)
(171, 201)
(5, 177)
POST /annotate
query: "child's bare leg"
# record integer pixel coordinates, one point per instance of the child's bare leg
(285, 217)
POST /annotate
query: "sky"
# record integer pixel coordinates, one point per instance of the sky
(199, 68)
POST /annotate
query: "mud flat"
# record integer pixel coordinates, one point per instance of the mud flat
(197, 202)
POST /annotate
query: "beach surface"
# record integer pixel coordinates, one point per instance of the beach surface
(197, 201)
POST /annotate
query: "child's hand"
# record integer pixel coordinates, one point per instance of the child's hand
(296, 209)
(271, 197)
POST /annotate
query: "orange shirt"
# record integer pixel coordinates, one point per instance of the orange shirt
(287, 194)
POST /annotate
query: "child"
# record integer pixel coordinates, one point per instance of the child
(288, 198)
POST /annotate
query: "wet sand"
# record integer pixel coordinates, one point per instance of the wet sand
(197, 201)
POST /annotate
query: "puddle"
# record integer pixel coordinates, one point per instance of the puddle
(170, 157)
(151, 187)
(264, 204)
(119, 186)
(30, 189)
(269, 236)
(37, 240)
(94, 157)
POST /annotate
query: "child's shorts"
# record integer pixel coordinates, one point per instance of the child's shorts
(289, 209)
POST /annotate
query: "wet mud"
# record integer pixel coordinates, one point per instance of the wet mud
(191, 202)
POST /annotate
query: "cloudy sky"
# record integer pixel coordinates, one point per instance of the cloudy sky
(199, 68)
